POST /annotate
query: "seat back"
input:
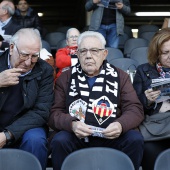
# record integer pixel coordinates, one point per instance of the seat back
(162, 162)
(53, 38)
(122, 40)
(133, 43)
(61, 44)
(97, 158)
(125, 63)
(140, 55)
(146, 28)
(128, 31)
(46, 45)
(113, 53)
(16, 159)
(147, 35)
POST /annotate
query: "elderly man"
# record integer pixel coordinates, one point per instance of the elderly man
(26, 95)
(67, 56)
(7, 25)
(95, 105)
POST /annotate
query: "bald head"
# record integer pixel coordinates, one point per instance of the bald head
(26, 35)
(7, 9)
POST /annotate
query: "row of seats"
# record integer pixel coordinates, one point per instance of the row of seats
(108, 159)
(57, 39)
(89, 158)
(139, 54)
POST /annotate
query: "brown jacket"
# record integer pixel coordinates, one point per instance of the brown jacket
(129, 107)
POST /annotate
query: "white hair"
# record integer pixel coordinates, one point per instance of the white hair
(30, 32)
(94, 34)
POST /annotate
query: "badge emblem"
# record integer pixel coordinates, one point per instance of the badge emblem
(103, 108)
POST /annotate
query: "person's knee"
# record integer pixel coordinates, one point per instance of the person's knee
(35, 137)
(60, 139)
(135, 138)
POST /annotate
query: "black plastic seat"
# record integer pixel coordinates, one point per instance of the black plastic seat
(16, 159)
(114, 53)
(133, 43)
(97, 158)
(163, 161)
(140, 55)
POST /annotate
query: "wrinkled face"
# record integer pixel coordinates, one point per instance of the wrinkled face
(91, 55)
(72, 38)
(24, 54)
(165, 56)
(23, 6)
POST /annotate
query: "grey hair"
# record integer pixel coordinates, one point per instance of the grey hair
(94, 34)
(69, 30)
(9, 8)
(26, 31)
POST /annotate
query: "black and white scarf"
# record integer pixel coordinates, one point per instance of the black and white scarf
(96, 106)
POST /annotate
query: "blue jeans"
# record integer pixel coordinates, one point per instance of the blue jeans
(35, 142)
(110, 34)
(64, 143)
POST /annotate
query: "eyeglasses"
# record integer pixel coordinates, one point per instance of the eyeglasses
(93, 51)
(25, 57)
(73, 37)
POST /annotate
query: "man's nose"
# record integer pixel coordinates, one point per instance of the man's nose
(28, 62)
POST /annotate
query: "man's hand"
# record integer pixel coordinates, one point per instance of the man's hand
(10, 77)
(2, 139)
(81, 130)
(119, 5)
(113, 130)
(96, 1)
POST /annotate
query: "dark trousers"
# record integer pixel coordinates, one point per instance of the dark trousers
(151, 152)
(64, 143)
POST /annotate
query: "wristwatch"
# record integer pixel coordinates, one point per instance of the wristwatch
(8, 137)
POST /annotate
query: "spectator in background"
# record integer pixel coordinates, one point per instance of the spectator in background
(81, 91)
(157, 113)
(108, 19)
(8, 26)
(26, 95)
(67, 56)
(26, 16)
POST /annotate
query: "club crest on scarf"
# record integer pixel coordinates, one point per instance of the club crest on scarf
(103, 109)
(96, 106)
(78, 109)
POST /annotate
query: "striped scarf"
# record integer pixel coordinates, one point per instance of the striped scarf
(97, 105)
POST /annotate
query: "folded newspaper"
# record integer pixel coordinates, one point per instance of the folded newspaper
(164, 86)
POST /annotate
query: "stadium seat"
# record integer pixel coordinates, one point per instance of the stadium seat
(16, 159)
(133, 43)
(113, 53)
(163, 161)
(147, 28)
(140, 55)
(147, 35)
(97, 158)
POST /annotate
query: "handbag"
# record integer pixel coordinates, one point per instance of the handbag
(156, 127)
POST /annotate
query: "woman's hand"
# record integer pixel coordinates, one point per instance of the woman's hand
(152, 95)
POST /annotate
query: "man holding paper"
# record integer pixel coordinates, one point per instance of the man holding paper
(107, 18)
(95, 106)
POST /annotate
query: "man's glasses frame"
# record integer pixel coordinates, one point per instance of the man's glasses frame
(93, 51)
(34, 57)
(73, 37)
